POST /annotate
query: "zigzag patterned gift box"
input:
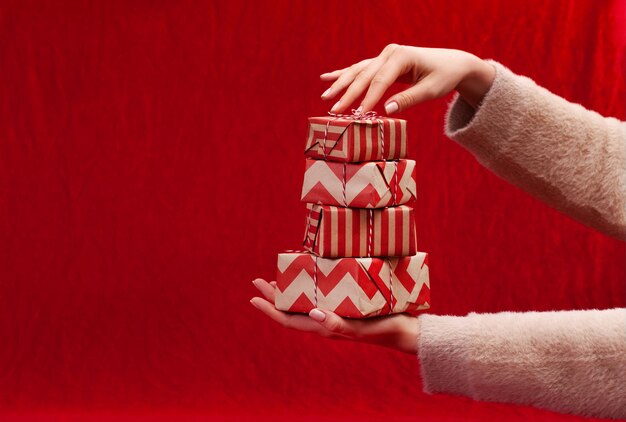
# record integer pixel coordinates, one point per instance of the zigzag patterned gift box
(356, 140)
(374, 184)
(352, 287)
(351, 232)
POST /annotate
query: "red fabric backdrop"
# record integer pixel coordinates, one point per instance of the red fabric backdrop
(150, 168)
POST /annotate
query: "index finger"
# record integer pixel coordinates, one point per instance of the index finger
(382, 80)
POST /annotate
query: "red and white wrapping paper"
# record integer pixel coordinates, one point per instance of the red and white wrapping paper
(352, 287)
(351, 232)
(374, 184)
(349, 140)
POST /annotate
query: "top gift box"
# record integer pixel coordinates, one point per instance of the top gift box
(352, 140)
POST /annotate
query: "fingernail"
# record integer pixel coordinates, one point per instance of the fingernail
(336, 106)
(359, 110)
(326, 93)
(317, 315)
(254, 303)
(391, 107)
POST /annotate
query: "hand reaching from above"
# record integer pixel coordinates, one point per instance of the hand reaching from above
(431, 72)
(397, 331)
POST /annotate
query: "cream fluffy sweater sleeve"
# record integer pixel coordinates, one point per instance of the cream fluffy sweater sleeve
(569, 157)
(574, 160)
(567, 361)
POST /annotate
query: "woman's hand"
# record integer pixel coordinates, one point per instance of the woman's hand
(431, 72)
(395, 331)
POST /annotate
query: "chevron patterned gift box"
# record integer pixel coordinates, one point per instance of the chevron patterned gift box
(356, 140)
(333, 232)
(375, 184)
(352, 287)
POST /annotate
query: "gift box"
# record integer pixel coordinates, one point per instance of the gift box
(351, 232)
(352, 287)
(351, 140)
(375, 184)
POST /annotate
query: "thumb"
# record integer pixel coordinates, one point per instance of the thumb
(332, 322)
(424, 90)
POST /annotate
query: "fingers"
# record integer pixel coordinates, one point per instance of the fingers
(334, 324)
(340, 84)
(325, 323)
(360, 84)
(266, 289)
(344, 78)
(424, 90)
(382, 80)
(389, 62)
(356, 79)
(296, 322)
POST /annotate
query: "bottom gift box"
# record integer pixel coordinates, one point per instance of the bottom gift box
(352, 287)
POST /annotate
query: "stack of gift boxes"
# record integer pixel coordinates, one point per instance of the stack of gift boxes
(361, 258)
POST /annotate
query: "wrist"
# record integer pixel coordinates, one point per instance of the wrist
(409, 333)
(477, 81)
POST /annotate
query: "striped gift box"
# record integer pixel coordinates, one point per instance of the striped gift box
(351, 232)
(374, 184)
(352, 287)
(348, 140)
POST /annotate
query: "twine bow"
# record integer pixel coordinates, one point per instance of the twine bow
(356, 115)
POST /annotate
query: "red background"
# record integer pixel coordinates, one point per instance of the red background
(150, 168)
